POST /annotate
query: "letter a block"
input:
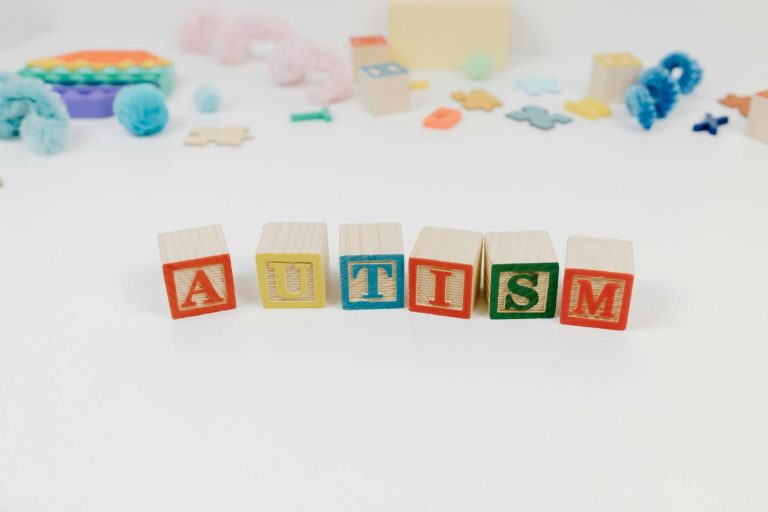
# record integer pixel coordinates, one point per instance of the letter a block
(597, 285)
(197, 271)
(612, 74)
(385, 88)
(444, 272)
(292, 262)
(372, 266)
(521, 272)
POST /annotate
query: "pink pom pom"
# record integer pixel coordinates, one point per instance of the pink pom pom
(198, 31)
(233, 43)
(293, 59)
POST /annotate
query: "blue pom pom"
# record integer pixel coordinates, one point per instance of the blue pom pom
(141, 109)
(662, 88)
(641, 105)
(28, 108)
(207, 98)
(691, 71)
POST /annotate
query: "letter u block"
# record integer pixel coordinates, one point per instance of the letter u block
(521, 273)
(292, 264)
(197, 271)
(597, 285)
(612, 74)
(444, 272)
(372, 266)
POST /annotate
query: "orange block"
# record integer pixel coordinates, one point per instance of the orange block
(367, 40)
(443, 118)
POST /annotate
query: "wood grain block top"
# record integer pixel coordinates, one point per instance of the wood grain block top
(293, 237)
(367, 239)
(519, 247)
(604, 254)
(190, 244)
(452, 245)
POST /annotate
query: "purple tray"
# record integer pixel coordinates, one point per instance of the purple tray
(88, 101)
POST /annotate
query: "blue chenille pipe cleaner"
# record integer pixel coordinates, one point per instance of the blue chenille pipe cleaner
(691, 71)
(641, 105)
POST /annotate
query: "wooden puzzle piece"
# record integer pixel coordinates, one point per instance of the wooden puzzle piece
(539, 117)
(740, 102)
(536, 85)
(589, 108)
(226, 136)
(476, 99)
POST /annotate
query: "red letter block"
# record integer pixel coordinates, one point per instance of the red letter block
(197, 271)
(597, 286)
(444, 272)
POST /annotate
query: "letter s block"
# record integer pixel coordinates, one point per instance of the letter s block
(444, 272)
(597, 285)
(197, 271)
(372, 266)
(292, 264)
(521, 272)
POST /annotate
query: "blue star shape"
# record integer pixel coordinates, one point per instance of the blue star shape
(710, 124)
(536, 85)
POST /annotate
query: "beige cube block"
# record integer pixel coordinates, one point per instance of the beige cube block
(444, 33)
(757, 121)
(612, 75)
(367, 50)
(385, 88)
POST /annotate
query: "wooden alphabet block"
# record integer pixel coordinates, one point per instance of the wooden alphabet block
(612, 74)
(385, 88)
(372, 266)
(197, 271)
(757, 121)
(521, 273)
(597, 285)
(444, 272)
(367, 50)
(292, 264)
(444, 33)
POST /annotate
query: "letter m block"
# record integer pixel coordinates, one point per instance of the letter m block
(597, 285)
(197, 271)
(372, 266)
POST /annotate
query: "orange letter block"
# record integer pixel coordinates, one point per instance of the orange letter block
(597, 286)
(197, 271)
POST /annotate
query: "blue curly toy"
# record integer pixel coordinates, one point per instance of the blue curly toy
(31, 110)
(657, 90)
(141, 109)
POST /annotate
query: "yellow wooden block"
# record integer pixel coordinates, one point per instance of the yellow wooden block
(612, 74)
(444, 33)
(291, 264)
(589, 108)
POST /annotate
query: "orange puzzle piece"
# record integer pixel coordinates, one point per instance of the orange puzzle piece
(476, 99)
(443, 118)
(740, 102)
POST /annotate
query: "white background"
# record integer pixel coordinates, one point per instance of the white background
(108, 404)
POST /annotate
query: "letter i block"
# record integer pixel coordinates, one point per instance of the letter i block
(372, 266)
(597, 285)
(292, 262)
(367, 50)
(444, 272)
(612, 74)
(385, 88)
(521, 272)
(197, 271)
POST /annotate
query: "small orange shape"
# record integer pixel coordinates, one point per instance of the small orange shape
(367, 40)
(443, 118)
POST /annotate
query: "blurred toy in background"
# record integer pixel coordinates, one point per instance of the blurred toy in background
(757, 121)
(612, 75)
(31, 110)
(656, 92)
(478, 66)
(367, 50)
(225, 136)
(229, 40)
(141, 109)
(88, 101)
(710, 124)
(207, 98)
(740, 102)
(537, 85)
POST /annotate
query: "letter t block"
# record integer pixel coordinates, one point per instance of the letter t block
(197, 271)
(292, 264)
(444, 272)
(597, 285)
(372, 266)
(521, 272)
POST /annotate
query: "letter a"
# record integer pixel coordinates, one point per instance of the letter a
(201, 284)
(604, 302)
(441, 283)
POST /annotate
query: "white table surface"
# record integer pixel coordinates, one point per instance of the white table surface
(108, 404)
